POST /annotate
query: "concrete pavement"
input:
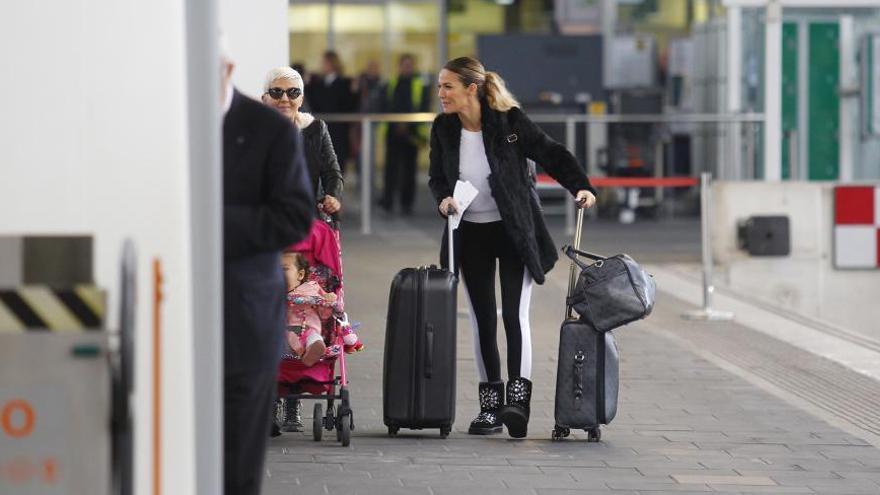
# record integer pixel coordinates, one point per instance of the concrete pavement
(703, 407)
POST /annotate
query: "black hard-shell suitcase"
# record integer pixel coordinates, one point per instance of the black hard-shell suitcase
(587, 380)
(419, 371)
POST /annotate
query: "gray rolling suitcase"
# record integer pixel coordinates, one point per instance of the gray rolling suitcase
(587, 374)
(418, 377)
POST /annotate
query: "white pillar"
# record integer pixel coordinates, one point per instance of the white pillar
(609, 29)
(734, 91)
(849, 106)
(117, 167)
(206, 238)
(773, 91)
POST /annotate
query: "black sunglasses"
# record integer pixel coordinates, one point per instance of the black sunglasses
(277, 93)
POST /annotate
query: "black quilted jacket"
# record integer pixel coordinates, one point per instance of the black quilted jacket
(509, 138)
(321, 160)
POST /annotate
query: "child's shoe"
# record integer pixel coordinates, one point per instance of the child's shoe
(314, 349)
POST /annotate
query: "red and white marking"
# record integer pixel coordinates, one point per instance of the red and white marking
(857, 227)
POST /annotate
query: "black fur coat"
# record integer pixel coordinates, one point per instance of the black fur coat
(509, 138)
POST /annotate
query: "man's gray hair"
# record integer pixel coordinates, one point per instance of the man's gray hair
(283, 73)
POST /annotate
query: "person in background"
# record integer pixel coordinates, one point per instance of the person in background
(267, 205)
(406, 94)
(331, 92)
(300, 68)
(368, 87)
(283, 90)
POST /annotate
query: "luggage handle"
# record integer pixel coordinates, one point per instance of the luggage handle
(429, 350)
(451, 243)
(578, 375)
(572, 273)
(574, 253)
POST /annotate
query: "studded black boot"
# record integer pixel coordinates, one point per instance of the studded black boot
(491, 398)
(515, 415)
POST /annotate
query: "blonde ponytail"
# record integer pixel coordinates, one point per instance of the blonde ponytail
(497, 94)
(491, 86)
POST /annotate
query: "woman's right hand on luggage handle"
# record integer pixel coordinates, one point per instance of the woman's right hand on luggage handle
(448, 206)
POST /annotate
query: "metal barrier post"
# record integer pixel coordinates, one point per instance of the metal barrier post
(366, 175)
(706, 313)
(794, 164)
(751, 171)
(572, 147)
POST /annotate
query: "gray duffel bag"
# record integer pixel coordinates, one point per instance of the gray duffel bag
(610, 292)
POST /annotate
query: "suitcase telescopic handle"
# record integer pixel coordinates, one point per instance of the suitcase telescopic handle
(572, 272)
(450, 239)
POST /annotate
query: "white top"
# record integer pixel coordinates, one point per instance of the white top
(474, 167)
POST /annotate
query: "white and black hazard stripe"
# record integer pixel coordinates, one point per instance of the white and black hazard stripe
(38, 308)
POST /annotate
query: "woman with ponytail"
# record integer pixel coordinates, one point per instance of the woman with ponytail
(483, 136)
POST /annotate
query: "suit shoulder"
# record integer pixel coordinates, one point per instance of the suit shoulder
(263, 116)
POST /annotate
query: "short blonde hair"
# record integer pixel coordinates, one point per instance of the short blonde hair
(283, 73)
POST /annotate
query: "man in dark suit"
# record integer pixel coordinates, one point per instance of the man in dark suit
(267, 205)
(331, 92)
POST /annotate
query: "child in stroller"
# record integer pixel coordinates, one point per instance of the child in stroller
(307, 305)
(319, 335)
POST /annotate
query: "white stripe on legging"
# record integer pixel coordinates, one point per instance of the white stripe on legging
(478, 351)
(525, 299)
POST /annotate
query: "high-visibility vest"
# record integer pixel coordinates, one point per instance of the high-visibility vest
(417, 93)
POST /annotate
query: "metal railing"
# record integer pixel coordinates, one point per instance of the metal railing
(749, 121)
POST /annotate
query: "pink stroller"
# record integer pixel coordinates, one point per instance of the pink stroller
(296, 381)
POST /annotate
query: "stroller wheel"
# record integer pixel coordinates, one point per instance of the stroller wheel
(318, 422)
(594, 434)
(345, 432)
(392, 431)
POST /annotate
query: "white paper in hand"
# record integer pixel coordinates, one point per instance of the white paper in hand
(464, 195)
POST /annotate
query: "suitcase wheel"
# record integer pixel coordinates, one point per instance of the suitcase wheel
(392, 431)
(560, 432)
(445, 431)
(594, 434)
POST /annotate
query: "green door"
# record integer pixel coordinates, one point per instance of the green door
(824, 101)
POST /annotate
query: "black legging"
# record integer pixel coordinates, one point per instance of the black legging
(481, 244)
